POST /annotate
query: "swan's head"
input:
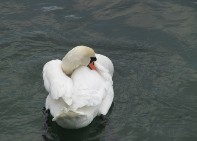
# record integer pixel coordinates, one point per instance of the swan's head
(78, 56)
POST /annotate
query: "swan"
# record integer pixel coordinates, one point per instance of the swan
(79, 87)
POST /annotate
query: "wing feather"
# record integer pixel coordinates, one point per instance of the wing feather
(56, 82)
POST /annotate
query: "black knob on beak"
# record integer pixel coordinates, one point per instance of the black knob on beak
(92, 59)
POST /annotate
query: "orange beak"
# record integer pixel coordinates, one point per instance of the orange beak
(92, 66)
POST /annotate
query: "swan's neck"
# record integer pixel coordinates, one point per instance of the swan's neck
(78, 56)
(68, 66)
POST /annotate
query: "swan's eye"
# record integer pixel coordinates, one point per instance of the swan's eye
(92, 59)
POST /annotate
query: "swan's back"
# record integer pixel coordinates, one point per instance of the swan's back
(89, 88)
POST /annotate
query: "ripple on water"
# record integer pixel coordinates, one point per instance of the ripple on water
(51, 8)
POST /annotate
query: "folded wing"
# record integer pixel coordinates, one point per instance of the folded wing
(56, 82)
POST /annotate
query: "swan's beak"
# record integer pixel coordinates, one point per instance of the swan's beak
(91, 64)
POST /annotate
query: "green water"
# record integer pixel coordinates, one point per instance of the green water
(151, 43)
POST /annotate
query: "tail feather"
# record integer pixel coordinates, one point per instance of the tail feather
(69, 114)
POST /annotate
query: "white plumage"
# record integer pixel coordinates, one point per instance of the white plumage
(75, 100)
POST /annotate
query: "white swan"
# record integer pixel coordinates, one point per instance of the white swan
(77, 93)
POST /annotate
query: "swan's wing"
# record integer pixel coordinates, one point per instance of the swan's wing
(108, 99)
(87, 98)
(106, 63)
(56, 82)
(103, 72)
(88, 88)
(56, 106)
(105, 68)
(93, 89)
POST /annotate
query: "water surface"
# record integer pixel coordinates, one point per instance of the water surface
(151, 43)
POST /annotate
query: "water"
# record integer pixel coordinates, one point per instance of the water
(151, 43)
